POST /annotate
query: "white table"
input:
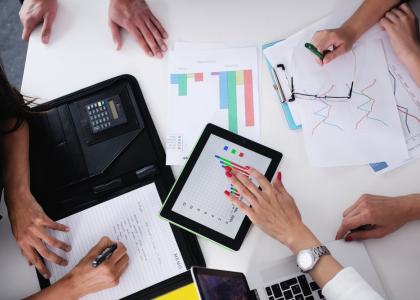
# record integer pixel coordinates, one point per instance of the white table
(81, 53)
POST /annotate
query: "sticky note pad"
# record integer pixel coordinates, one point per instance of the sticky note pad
(188, 292)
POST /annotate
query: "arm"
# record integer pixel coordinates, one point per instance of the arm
(275, 212)
(342, 39)
(387, 214)
(28, 220)
(84, 279)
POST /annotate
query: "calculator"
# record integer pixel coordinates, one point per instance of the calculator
(105, 114)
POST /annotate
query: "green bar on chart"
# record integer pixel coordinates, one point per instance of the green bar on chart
(232, 106)
(182, 84)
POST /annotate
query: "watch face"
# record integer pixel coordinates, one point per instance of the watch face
(305, 260)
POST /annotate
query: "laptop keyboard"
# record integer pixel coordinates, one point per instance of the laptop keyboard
(296, 288)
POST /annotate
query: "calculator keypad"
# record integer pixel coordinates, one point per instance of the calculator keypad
(99, 116)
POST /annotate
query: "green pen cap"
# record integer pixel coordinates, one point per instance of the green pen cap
(314, 50)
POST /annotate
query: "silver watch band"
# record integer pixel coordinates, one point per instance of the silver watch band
(320, 250)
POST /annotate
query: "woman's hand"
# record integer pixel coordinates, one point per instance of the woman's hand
(333, 42)
(30, 227)
(136, 17)
(85, 279)
(34, 12)
(385, 214)
(402, 27)
(272, 209)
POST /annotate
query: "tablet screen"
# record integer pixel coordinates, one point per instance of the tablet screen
(202, 198)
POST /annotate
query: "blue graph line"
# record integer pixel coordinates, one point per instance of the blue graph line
(325, 117)
(368, 111)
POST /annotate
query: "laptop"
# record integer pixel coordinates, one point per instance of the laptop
(282, 280)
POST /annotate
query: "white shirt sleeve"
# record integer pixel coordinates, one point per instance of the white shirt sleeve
(348, 285)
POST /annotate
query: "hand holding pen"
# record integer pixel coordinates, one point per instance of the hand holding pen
(110, 260)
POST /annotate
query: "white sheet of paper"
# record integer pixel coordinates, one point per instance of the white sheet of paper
(133, 219)
(202, 98)
(407, 96)
(359, 130)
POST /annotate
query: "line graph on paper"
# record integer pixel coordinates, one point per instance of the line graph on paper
(408, 104)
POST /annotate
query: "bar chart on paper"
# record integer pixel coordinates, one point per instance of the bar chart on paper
(218, 86)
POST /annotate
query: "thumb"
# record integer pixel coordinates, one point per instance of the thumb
(28, 27)
(331, 55)
(364, 235)
(278, 184)
(46, 28)
(116, 35)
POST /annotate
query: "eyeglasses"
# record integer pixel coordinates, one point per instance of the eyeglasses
(321, 96)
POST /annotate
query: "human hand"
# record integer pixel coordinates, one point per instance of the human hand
(385, 214)
(34, 12)
(333, 42)
(85, 279)
(272, 209)
(30, 227)
(402, 27)
(136, 17)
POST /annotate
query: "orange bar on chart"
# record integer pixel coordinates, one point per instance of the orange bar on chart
(249, 99)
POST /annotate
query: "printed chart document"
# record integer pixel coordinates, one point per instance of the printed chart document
(133, 219)
(217, 86)
(341, 133)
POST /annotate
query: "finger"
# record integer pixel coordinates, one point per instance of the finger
(246, 181)
(239, 204)
(116, 35)
(355, 205)
(157, 35)
(28, 27)
(46, 221)
(391, 16)
(243, 190)
(159, 26)
(34, 258)
(99, 247)
(118, 253)
(46, 27)
(261, 180)
(331, 55)
(140, 40)
(121, 265)
(405, 8)
(278, 184)
(351, 223)
(399, 13)
(386, 24)
(150, 40)
(49, 240)
(365, 234)
(47, 254)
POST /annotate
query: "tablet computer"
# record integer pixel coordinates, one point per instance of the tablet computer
(197, 202)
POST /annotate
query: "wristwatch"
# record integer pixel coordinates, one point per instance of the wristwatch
(307, 259)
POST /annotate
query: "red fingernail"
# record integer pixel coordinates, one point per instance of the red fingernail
(228, 169)
(348, 239)
(228, 174)
(279, 175)
(227, 193)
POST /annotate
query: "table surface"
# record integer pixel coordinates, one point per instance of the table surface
(81, 53)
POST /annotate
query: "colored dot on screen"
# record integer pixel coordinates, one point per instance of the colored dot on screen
(233, 151)
(241, 154)
(226, 148)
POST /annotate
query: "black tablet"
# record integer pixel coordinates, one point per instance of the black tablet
(197, 202)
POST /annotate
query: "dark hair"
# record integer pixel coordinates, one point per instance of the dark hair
(13, 105)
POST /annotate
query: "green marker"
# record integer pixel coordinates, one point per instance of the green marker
(314, 50)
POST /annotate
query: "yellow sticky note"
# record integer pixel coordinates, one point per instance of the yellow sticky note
(188, 292)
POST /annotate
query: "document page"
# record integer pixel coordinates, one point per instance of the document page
(133, 219)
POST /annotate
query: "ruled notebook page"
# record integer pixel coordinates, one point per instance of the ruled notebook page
(133, 219)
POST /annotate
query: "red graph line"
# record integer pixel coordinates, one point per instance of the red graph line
(369, 86)
(367, 114)
(410, 115)
(324, 119)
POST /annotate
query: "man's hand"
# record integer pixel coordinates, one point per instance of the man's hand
(386, 214)
(34, 12)
(136, 17)
(30, 227)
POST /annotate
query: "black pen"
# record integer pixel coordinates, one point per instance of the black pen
(104, 255)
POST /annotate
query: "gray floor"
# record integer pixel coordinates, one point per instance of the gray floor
(12, 48)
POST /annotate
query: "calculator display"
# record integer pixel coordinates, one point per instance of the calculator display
(105, 114)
